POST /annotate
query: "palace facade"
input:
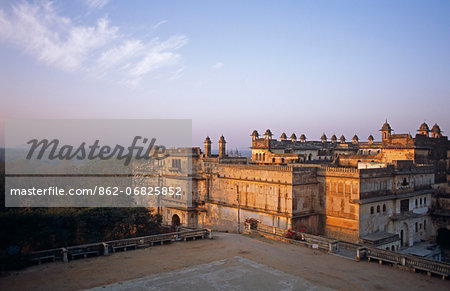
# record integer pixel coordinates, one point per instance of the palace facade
(378, 193)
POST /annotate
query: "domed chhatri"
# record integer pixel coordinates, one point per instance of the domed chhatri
(283, 136)
(436, 131)
(255, 134)
(293, 137)
(424, 126)
(268, 134)
(386, 131)
(424, 129)
(333, 138)
(436, 128)
(342, 139)
(303, 138)
(386, 126)
(323, 138)
(355, 139)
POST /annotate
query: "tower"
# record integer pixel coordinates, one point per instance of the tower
(386, 131)
(222, 150)
(207, 147)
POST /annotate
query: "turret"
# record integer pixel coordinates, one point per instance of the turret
(303, 138)
(283, 136)
(436, 131)
(255, 135)
(293, 137)
(268, 134)
(323, 138)
(424, 129)
(333, 138)
(207, 143)
(355, 139)
(222, 150)
(342, 139)
(386, 131)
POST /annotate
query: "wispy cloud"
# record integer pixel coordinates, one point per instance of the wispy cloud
(159, 24)
(217, 65)
(96, 4)
(57, 41)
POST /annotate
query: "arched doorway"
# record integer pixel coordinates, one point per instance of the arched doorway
(175, 220)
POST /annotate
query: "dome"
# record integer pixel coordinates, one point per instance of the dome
(371, 137)
(283, 136)
(333, 137)
(386, 126)
(342, 138)
(293, 136)
(436, 128)
(255, 133)
(303, 137)
(424, 127)
(355, 137)
(207, 140)
(323, 137)
(268, 133)
(221, 139)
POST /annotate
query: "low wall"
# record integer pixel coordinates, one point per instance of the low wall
(406, 261)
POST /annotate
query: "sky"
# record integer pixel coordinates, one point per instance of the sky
(309, 67)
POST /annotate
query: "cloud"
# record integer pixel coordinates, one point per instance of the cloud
(96, 4)
(218, 65)
(57, 41)
(159, 23)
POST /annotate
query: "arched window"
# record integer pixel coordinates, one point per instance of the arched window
(378, 208)
(371, 210)
(420, 201)
(370, 152)
(425, 201)
(384, 207)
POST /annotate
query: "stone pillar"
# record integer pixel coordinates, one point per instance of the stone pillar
(105, 249)
(64, 255)
(210, 236)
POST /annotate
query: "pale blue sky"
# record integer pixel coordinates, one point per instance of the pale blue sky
(232, 66)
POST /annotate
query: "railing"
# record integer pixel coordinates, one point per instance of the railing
(105, 248)
(305, 239)
(408, 261)
(330, 245)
